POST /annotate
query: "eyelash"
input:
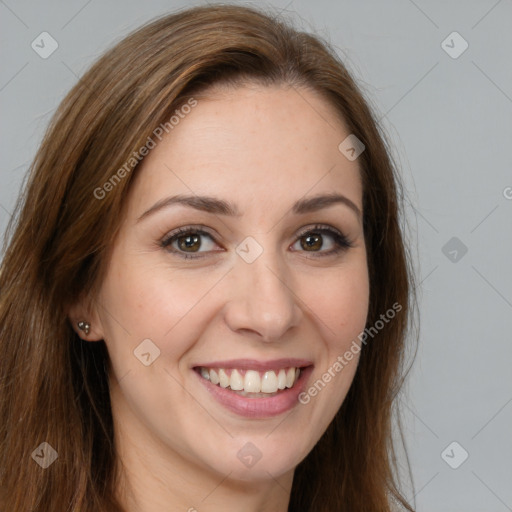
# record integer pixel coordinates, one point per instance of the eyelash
(340, 240)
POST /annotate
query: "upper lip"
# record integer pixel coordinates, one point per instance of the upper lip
(254, 364)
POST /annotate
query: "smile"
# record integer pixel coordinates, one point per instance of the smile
(255, 389)
(252, 383)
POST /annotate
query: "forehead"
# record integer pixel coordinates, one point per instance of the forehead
(259, 144)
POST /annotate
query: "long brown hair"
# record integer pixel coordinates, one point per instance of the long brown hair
(54, 387)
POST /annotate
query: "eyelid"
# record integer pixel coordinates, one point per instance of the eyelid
(192, 228)
(319, 227)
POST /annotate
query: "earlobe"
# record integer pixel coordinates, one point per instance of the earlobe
(84, 326)
(86, 330)
(85, 322)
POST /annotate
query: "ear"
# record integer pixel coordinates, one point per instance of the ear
(85, 311)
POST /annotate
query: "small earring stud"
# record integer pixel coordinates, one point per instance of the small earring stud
(84, 326)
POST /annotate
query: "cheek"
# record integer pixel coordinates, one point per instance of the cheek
(340, 301)
(339, 305)
(156, 303)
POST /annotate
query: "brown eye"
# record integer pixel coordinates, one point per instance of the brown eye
(189, 243)
(311, 242)
(322, 241)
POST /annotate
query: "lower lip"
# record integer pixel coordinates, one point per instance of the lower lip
(259, 407)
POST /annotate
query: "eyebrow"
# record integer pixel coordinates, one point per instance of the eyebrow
(220, 207)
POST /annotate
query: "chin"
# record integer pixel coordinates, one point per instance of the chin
(258, 461)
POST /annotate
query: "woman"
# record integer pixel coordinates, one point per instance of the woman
(205, 295)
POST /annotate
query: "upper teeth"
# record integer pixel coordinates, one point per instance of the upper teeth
(252, 381)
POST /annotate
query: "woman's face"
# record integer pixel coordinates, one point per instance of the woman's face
(240, 265)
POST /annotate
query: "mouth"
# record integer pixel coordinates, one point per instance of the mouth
(255, 389)
(252, 383)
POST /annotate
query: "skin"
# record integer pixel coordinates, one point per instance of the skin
(261, 148)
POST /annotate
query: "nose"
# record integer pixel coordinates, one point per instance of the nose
(262, 299)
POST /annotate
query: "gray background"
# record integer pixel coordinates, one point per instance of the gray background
(449, 120)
